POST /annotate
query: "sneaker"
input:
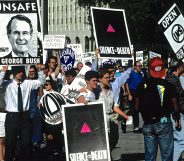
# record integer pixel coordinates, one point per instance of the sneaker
(137, 130)
(123, 127)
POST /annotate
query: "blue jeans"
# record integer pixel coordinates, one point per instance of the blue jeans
(178, 139)
(158, 134)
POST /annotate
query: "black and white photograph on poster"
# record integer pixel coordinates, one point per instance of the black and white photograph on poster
(111, 32)
(85, 132)
(20, 32)
(172, 24)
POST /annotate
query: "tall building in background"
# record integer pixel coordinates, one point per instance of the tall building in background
(67, 18)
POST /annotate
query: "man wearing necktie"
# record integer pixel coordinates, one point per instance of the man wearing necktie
(17, 123)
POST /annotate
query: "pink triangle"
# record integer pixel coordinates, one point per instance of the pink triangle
(85, 128)
(110, 29)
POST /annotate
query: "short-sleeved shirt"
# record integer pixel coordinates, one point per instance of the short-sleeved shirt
(155, 97)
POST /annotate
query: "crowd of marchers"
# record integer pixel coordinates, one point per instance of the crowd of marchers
(157, 92)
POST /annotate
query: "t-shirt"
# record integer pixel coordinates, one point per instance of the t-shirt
(155, 99)
(89, 95)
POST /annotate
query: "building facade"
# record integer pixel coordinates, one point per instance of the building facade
(65, 17)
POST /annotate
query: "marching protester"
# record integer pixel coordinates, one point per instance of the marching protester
(34, 110)
(91, 78)
(17, 123)
(53, 133)
(135, 78)
(156, 100)
(173, 74)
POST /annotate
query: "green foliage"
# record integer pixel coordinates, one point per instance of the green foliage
(142, 18)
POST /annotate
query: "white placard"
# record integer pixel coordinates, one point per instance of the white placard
(172, 24)
(54, 41)
(77, 48)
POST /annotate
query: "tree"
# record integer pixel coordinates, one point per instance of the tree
(142, 18)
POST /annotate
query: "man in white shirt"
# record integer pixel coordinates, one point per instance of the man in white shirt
(17, 123)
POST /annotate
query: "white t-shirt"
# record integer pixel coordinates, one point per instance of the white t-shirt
(89, 95)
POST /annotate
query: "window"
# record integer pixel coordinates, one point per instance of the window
(77, 40)
(58, 21)
(70, 20)
(86, 44)
(61, 21)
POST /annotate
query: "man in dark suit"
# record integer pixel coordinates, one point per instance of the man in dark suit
(19, 31)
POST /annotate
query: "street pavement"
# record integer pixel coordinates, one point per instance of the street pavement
(130, 146)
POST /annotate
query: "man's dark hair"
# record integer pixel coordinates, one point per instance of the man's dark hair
(102, 72)
(175, 64)
(71, 72)
(21, 18)
(91, 74)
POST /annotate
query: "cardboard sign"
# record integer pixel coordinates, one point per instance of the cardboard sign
(77, 48)
(78, 83)
(139, 56)
(54, 41)
(85, 132)
(153, 54)
(111, 32)
(172, 24)
(20, 32)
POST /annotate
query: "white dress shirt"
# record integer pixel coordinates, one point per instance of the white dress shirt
(11, 93)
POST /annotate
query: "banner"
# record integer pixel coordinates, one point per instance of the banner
(20, 32)
(85, 132)
(172, 24)
(111, 32)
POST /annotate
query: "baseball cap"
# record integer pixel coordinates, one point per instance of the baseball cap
(157, 67)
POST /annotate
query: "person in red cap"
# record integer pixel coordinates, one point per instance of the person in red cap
(156, 99)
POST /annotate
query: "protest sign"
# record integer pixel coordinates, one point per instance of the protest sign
(172, 24)
(50, 109)
(20, 32)
(77, 48)
(111, 32)
(67, 57)
(153, 54)
(85, 132)
(54, 41)
(139, 56)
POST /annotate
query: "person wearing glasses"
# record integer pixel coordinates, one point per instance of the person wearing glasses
(136, 77)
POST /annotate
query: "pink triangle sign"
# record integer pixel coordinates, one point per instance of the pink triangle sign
(110, 29)
(85, 128)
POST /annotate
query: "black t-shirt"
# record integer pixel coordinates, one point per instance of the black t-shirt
(155, 99)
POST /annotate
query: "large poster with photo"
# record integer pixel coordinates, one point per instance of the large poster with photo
(111, 32)
(20, 32)
(85, 131)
